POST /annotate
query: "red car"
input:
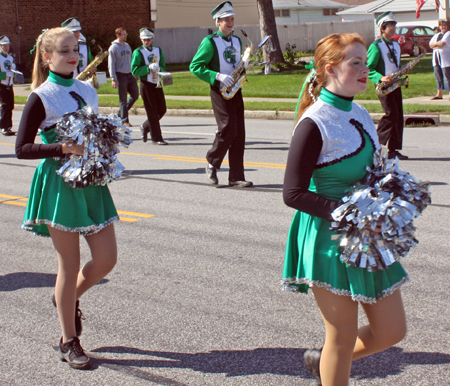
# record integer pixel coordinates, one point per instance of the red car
(414, 39)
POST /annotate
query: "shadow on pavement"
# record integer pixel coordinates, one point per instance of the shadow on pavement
(278, 361)
(18, 280)
(394, 361)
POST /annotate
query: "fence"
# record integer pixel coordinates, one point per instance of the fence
(180, 44)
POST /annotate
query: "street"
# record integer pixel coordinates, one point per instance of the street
(195, 297)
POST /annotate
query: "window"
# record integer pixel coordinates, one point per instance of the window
(330, 11)
(282, 12)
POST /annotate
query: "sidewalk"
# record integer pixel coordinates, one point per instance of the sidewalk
(21, 90)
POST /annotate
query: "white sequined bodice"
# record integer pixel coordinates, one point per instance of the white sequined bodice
(340, 136)
(59, 100)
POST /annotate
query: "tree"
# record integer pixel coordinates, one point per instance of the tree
(268, 27)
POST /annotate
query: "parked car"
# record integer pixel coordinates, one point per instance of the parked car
(414, 39)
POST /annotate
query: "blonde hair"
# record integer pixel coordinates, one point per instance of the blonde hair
(330, 50)
(45, 43)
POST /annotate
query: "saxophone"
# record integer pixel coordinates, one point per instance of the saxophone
(238, 73)
(86, 74)
(385, 88)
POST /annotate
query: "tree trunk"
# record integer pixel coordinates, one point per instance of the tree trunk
(268, 27)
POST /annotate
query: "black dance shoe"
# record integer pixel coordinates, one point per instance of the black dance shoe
(162, 142)
(311, 358)
(8, 132)
(72, 353)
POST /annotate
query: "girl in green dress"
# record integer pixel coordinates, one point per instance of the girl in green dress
(332, 144)
(55, 209)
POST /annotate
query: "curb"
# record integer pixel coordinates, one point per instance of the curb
(438, 119)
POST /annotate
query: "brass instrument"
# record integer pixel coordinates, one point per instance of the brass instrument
(238, 73)
(86, 74)
(155, 74)
(385, 88)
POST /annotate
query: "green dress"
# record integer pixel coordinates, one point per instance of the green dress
(312, 253)
(52, 202)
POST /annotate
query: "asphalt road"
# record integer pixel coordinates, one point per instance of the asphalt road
(195, 296)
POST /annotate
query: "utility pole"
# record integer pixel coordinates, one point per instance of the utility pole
(444, 10)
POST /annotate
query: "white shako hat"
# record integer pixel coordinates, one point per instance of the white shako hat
(4, 40)
(72, 24)
(224, 9)
(385, 18)
(146, 33)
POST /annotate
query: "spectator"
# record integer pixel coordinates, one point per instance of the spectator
(440, 43)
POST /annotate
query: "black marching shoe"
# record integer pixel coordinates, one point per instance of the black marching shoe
(241, 184)
(311, 358)
(72, 353)
(78, 316)
(143, 134)
(162, 142)
(211, 175)
(8, 132)
(396, 153)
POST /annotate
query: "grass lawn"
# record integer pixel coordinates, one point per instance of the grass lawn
(285, 84)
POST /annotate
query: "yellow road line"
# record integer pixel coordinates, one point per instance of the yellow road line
(126, 219)
(9, 144)
(202, 160)
(136, 214)
(13, 203)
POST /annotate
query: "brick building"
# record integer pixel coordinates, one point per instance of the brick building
(23, 20)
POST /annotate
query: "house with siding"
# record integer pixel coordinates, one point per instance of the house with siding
(301, 11)
(404, 10)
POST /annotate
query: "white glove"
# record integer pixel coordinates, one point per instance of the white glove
(226, 80)
(13, 66)
(154, 67)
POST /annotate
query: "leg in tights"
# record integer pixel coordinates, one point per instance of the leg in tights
(104, 257)
(345, 342)
(71, 282)
(387, 326)
(67, 246)
(340, 315)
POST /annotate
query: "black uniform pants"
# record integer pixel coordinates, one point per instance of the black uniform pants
(127, 85)
(6, 106)
(155, 107)
(230, 134)
(390, 127)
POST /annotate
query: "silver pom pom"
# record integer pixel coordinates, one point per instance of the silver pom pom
(375, 221)
(101, 135)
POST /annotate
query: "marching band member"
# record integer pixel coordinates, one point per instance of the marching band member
(6, 87)
(73, 25)
(147, 60)
(384, 59)
(216, 58)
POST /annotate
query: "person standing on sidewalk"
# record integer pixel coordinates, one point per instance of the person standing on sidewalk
(119, 66)
(146, 62)
(383, 59)
(6, 86)
(216, 58)
(440, 44)
(73, 25)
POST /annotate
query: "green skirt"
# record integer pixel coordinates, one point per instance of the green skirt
(52, 202)
(312, 260)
